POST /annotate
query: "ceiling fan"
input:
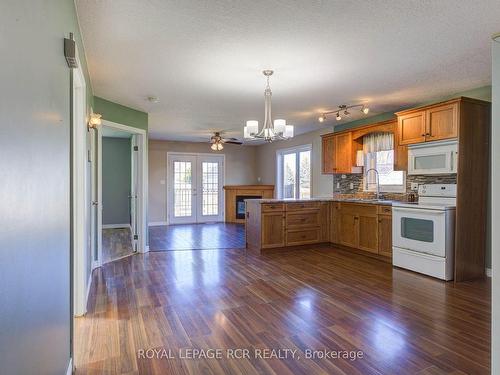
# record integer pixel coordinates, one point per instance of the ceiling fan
(218, 141)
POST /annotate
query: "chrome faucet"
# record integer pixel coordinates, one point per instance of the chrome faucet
(377, 194)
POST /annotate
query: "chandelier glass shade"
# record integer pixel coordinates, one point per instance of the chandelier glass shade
(271, 131)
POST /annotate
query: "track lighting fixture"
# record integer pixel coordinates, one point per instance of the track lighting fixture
(343, 108)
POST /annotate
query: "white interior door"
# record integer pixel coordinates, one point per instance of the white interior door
(195, 184)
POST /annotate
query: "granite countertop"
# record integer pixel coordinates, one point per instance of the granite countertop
(333, 199)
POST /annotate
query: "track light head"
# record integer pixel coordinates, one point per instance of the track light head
(322, 118)
(365, 110)
(338, 117)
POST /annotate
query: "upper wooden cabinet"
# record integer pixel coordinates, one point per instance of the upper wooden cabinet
(428, 124)
(442, 122)
(411, 128)
(337, 153)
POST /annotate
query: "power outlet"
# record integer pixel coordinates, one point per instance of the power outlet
(414, 186)
(338, 185)
(351, 186)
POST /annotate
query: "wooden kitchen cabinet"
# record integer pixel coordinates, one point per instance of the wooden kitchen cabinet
(427, 124)
(335, 222)
(273, 229)
(337, 155)
(411, 128)
(327, 154)
(348, 228)
(441, 122)
(368, 233)
(325, 221)
(385, 235)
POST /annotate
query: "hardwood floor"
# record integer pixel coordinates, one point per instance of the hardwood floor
(320, 299)
(116, 244)
(197, 236)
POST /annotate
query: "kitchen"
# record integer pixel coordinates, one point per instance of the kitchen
(435, 225)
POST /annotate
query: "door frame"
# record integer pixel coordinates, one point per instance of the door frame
(80, 204)
(142, 186)
(170, 192)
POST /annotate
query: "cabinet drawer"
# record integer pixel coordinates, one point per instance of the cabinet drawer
(302, 219)
(302, 236)
(298, 206)
(271, 207)
(385, 210)
(359, 209)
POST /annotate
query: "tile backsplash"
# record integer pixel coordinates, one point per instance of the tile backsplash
(356, 179)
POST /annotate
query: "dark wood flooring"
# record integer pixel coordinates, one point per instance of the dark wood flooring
(319, 298)
(197, 236)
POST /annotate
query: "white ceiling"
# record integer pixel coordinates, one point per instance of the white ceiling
(204, 59)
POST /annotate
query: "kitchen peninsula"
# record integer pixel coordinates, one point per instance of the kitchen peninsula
(363, 225)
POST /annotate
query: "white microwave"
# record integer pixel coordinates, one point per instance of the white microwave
(440, 157)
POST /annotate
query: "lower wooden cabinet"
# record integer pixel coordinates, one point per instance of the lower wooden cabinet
(335, 222)
(368, 233)
(364, 227)
(302, 236)
(348, 229)
(273, 229)
(385, 235)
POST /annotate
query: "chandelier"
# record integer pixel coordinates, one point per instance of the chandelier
(279, 130)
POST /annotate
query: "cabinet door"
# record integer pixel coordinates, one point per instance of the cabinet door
(411, 128)
(325, 222)
(349, 229)
(328, 154)
(368, 233)
(442, 122)
(343, 153)
(335, 222)
(385, 235)
(273, 229)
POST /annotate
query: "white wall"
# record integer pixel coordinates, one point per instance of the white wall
(495, 207)
(322, 185)
(240, 169)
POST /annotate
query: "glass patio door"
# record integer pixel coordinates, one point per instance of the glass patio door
(195, 184)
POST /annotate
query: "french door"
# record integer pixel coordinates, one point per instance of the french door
(195, 184)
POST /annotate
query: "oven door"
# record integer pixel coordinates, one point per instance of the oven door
(419, 229)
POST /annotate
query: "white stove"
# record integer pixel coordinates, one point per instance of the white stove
(423, 233)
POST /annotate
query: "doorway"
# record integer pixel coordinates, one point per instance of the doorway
(119, 186)
(195, 188)
(129, 216)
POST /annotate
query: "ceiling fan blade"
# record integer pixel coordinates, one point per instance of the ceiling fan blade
(234, 142)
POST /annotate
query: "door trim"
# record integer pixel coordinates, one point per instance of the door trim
(169, 191)
(80, 204)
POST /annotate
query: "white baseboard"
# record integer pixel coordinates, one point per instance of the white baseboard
(113, 226)
(69, 370)
(488, 272)
(156, 223)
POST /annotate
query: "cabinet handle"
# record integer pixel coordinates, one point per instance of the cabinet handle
(423, 135)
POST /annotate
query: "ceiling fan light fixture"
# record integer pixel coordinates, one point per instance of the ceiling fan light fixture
(217, 146)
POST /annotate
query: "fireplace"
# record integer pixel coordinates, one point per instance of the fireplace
(240, 204)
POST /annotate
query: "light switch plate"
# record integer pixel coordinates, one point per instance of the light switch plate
(414, 186)
(351, 186)
(338, 185)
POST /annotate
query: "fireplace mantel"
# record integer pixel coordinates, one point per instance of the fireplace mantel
(232, 191)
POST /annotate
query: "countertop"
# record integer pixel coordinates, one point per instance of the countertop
(347, 200)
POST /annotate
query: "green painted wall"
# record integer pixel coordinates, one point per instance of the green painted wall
(116, 175)
(482, 93)
(120, 114)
